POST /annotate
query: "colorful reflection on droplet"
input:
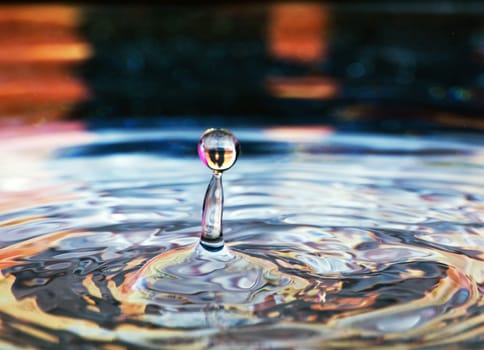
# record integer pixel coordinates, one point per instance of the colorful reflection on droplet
(218, 149)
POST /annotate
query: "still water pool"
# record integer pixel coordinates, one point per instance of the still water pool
(362, 241)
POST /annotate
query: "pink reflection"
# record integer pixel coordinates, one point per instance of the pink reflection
(44, 136)
(299, 134)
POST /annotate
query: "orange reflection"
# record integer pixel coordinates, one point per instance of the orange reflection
(459, 121)
(53, 14)
(298, 32)
(44, 52)
(40, 44)
(30, 247)
(302, 87)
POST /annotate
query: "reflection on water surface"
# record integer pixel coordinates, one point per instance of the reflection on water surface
(384, 234)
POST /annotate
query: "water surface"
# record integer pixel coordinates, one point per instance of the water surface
(382, 234)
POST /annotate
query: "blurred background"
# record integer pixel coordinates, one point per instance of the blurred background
(379, 66)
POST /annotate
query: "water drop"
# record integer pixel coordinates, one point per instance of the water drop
(218, 149)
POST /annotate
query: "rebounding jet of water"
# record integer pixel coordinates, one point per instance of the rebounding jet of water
(218, 149)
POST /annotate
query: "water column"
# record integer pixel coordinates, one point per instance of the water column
(218, 149)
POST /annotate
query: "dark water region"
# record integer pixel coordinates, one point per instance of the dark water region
(380, 66)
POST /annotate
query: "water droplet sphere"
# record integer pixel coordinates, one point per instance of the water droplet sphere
(218, 149)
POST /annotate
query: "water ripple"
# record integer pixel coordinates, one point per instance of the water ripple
(355, 241)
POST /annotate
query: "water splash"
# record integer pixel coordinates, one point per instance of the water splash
(189, 285)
